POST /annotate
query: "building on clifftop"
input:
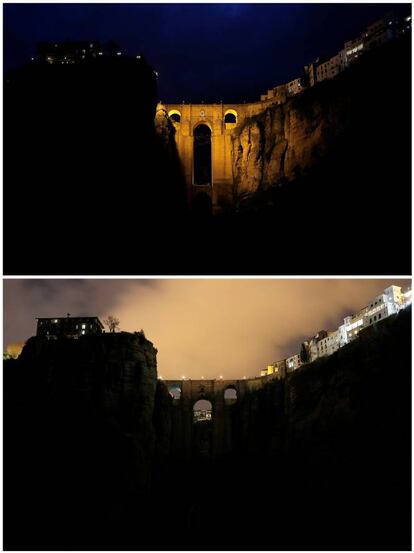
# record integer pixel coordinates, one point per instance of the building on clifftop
(68, 327)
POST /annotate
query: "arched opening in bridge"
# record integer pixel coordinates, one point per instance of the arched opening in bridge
(230, 116)
(175, 392)
(202, 411)
(175, 115)
(230, 395)
(202, 155)
(202, 428)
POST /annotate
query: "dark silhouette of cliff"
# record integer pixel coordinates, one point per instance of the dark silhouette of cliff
(321, 460)
(331, 444)
(85, 172)
(84, 437)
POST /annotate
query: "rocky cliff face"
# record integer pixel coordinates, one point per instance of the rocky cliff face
(284, 141)
(345, 116)
(87, 431)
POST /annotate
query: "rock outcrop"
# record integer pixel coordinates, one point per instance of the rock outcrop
(284, 141)
(87, 432)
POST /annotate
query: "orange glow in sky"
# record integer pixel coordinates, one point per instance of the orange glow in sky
(201, 327)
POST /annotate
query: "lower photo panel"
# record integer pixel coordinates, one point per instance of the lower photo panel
(207, 414)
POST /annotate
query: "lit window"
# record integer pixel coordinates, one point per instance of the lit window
(84, 326)
(83, 332)
(119, 53)
(55, 321)
(100, 53)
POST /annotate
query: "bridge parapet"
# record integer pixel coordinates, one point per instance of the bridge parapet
(213, 389)
(189, 437)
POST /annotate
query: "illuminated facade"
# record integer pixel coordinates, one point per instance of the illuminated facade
(294, 87)
(68, 327)
(216, 123)
(203, 132)
(331, 67)
(376, 34)
(293, 362)
(325, 343)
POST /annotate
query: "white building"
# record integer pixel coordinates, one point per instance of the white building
(325, 343)
(294, 87)
(376, 34)
(329, 344)
(354, 324)
(331, 67)
(293, 362)
(384, 305)
(353, 49)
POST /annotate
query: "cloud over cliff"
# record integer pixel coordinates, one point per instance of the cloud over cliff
(201, 327)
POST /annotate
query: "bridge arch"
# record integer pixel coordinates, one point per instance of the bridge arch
(175, 392)
(202, 154)
(202, 410)
(230, 394)
(231, 116)
(175, 115)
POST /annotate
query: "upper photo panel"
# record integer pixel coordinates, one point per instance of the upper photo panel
(212, 139)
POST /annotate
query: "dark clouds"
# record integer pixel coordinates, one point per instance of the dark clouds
(201, 327)
(210, 52)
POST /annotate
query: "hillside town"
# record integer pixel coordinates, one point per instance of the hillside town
(380, 32)
(327, 342)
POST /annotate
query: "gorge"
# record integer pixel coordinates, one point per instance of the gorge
(96, 445)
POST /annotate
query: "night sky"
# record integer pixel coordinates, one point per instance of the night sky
(203, 52)
(201, 327)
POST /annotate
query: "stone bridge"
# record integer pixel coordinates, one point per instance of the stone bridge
(203, 139)
(197, 432)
